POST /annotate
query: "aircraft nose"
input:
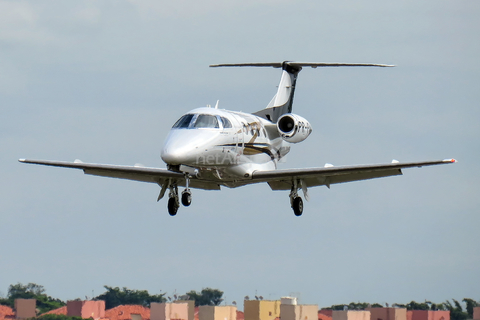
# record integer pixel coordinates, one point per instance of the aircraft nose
(178, 149)
(173, 156)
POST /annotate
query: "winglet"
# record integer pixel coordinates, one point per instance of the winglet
(22, 160)
(450, 160)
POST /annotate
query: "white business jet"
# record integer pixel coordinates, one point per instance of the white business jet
(209, 147)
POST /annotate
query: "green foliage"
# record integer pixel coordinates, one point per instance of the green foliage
(114, 297)
(470, 305)
(31, 291)
(355, 306)
(207, 297)
(456, 310)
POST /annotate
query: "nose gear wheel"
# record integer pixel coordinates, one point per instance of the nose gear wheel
(186, 198)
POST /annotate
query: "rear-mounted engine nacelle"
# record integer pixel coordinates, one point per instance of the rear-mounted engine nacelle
(293, 128)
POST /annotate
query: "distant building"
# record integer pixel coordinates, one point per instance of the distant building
(191, 308)
(388, 313)
(261, 309)
(217, 313)
(86, 309)
(128, 312)
(428, 315)
(351, 315)
(325, 314)
(476, 313)
(25, 308)
(169, 311)
(59, 311)
(6, 313)
(299, 312)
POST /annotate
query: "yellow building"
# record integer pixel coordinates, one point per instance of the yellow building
(261, 309)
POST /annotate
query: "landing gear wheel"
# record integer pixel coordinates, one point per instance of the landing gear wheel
(172, 206)
(297, 206)
(186, 198)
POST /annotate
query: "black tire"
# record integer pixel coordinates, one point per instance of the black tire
(297, 206)
(186, 198)
(172, 207)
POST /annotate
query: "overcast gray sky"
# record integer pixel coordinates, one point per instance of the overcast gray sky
(103, 81)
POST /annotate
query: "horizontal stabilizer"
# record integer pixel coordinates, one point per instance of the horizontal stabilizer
(300, 64)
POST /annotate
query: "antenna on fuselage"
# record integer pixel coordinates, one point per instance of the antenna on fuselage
(216, 105)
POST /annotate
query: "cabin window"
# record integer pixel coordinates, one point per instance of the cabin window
(226, 123)
(206, 121)
(184, 121)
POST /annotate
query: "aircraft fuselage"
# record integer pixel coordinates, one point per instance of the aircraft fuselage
(222, 145)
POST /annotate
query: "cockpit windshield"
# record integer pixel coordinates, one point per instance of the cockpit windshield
(184, 121)
(206, 121)
(198, 121)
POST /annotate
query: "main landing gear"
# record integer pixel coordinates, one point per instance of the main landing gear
(173, 198)
(296, 201)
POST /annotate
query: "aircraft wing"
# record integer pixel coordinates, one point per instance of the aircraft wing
(137, 173)
(282, 179)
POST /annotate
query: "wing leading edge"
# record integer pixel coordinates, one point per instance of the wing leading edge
(282, 179)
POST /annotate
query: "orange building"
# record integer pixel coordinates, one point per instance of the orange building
(325, 314)
(428, 315)
(86, 309)
(128, 312)
(388, 313)
(6, 313)
(476, 313)
(59, 311)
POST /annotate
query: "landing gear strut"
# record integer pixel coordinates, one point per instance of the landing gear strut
(296, 201)
(186, 194)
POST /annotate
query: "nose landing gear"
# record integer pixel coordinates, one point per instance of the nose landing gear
(173, 198)
(187, 194)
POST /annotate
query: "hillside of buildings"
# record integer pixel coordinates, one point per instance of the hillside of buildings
(31, 302)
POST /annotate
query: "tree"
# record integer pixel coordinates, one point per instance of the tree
(355, 306)
(114, 297)
(470, 305)
(413, 305)
(207, 297)
(456, 310)
(31, 291)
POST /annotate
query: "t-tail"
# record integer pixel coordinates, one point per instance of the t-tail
(283, 100)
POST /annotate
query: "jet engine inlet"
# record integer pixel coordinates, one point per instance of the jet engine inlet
(293, 128)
